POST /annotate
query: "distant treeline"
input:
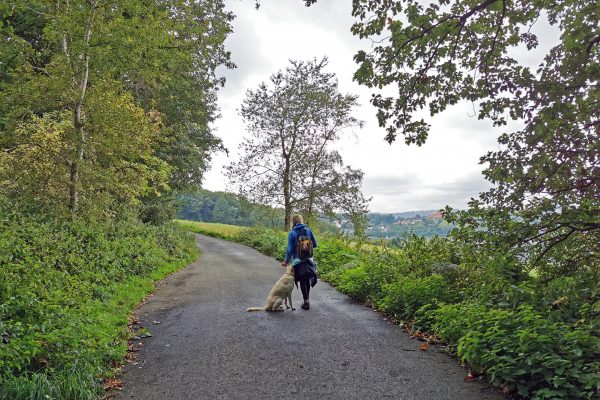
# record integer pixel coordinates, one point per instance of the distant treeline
(233, 209)
(228, 208)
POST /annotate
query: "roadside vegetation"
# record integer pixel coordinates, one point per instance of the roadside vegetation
(66, 294)
(534, 338)
(104, 116)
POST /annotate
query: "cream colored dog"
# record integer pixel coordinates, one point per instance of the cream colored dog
(282, 290)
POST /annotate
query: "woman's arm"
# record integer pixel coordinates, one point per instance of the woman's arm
(289, 253)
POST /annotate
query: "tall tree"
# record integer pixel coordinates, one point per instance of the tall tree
(545, 203)
(291, 123)
(184, 86)
(133, 58)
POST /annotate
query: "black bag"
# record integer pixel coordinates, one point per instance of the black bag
(305, 246)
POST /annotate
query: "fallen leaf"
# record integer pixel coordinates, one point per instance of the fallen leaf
(134, 346)
(424, 346)
(111, 383)
(469, 378)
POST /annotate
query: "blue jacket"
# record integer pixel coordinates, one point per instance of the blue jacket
(291, 254)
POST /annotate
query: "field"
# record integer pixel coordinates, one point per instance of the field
(211, 229)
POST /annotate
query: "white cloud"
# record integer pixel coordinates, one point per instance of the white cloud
(408, 192)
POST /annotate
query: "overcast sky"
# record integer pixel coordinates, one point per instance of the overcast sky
(445, 171)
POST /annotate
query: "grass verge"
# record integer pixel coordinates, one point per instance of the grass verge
(66, 294)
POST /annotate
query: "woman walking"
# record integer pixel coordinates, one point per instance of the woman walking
(299, 255)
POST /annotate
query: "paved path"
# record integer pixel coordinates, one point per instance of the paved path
(208, 347)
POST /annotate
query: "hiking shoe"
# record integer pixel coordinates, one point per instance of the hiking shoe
(305, 305)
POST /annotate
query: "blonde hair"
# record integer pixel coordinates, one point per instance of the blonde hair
(297, 219)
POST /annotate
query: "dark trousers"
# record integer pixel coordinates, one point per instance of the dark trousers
(305, 287)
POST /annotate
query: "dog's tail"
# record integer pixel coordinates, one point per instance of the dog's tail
(257, 308)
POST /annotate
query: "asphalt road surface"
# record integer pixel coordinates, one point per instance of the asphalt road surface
(205, 345)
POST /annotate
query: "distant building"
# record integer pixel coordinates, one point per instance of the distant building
(409, 221)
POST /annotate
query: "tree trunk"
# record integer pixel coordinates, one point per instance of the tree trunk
(287, 194)
(75, 164)
(287, 181)
(77, 116)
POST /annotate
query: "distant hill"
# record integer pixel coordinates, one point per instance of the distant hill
(412, 214)
(426, 223)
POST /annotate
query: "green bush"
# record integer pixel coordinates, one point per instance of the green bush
(356, 282)
(406, 295)
(66, 291)
(570, 299)
(366, 281)
(268, 241)
(540, 359)
(423, 255)
(333, 253)
(522, 350)
(453, 321)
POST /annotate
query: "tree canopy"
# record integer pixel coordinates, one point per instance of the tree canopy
(286, 160)
(102, 102)
(545, 200)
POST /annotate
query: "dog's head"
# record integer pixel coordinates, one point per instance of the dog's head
(289, 269)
